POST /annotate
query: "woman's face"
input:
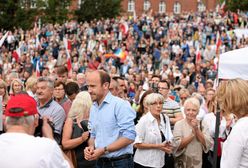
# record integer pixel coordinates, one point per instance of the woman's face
(210, 95)
(2, 91)
(156, 108)
(190, 111)
(17, 87)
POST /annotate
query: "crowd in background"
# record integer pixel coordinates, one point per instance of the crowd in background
(161, 57)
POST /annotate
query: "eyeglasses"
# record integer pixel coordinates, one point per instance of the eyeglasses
(162, 88)
(183, 98)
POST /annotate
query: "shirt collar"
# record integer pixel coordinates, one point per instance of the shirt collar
(152, 119)
(150, 116)
(107, 99)
(47, 104)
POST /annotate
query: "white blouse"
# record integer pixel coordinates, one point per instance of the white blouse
(235, 148)
(148, 132)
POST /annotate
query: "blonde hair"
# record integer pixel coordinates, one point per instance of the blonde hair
(5, 96)
(11, 91)
(31, 82)
(232, 96)
(80, 105)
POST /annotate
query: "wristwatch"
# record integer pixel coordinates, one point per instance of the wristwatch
(106, 150)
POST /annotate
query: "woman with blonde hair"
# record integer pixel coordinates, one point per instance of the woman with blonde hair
(31, 86)
(192, 137)
(75, 132)
(16, 87)
(232, 98)
(4, 93)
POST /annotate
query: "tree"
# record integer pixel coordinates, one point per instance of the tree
(96, 9)
(53, 11)
(13, 14)
(234, 5)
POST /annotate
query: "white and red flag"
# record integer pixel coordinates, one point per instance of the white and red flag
(198, 55)
(3, 38)
(218, 42)
(37, 68)
(67, 45)
(17, 54)
(124, 27)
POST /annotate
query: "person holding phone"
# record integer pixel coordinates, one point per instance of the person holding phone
(153, 135)
(75, 132)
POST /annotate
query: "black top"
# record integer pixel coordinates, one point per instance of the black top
(79, 150)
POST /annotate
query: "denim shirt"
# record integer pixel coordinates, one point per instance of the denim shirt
(113, 119)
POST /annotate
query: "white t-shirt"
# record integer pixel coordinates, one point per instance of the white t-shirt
(25, 151)
(235, 148)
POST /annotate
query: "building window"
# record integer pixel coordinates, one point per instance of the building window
(147, 5)
(33, 4)
(162, 7)
(177, 8)
(79, 4)
(130, 5)
(201, 7)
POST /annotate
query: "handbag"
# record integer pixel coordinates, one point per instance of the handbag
(168, 159)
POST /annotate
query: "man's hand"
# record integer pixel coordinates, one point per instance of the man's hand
(46, 129)
(88, 152)
(97, 153)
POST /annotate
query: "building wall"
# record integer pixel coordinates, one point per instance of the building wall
(186, 5)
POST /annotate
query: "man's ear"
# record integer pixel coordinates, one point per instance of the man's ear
(106, 85)
(36, 121)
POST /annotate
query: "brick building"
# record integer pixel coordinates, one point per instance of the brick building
(163, 6)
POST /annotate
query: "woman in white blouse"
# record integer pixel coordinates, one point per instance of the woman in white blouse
(153, 135)
(232, 97)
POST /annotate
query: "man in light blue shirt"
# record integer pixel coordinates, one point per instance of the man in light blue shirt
(111, 125)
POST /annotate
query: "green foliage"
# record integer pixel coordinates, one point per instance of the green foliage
(54, 11)
(7, 14)
(18, 13)
(234, 5)
(95, 9)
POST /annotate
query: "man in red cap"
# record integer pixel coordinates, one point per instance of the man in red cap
(18, 146)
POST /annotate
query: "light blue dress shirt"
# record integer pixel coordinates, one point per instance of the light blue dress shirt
(113, 119)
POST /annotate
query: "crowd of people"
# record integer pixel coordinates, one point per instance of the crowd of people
(156, 107)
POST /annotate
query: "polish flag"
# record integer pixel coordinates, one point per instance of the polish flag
(223, 5)
(124, 27)
(3, 38)
(67, 45)
(37, 43)
(198, 55)
(37, 70)
(218, 42)
(216, 60)
(17, 54)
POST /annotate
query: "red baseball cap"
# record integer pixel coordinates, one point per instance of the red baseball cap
(21, 105)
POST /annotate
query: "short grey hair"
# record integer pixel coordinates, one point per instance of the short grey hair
(153, 98)
(194, 101)
(25, 121)
(80, 75)
(50, 82)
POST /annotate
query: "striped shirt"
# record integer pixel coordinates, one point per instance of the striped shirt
(170, 108)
